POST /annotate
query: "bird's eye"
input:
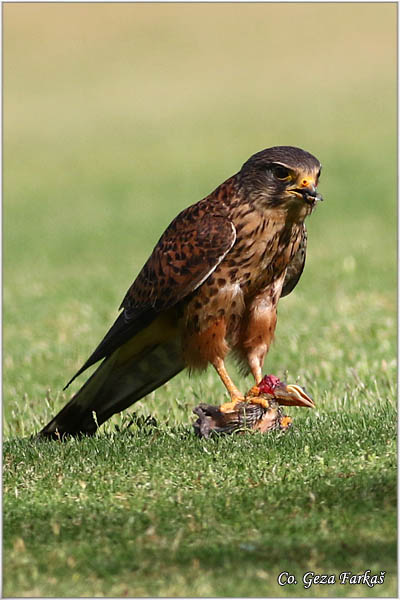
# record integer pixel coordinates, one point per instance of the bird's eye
(281, 173)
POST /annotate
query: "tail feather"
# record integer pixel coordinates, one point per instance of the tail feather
(121, 379)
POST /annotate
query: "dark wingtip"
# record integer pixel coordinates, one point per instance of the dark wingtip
(85, 366)
(69, 383)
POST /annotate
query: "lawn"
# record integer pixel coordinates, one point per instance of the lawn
(117, 116)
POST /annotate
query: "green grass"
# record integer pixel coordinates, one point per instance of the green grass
(157, 512)
(115, 118)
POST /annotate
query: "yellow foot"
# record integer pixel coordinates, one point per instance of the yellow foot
(258, 400)
(230, 407)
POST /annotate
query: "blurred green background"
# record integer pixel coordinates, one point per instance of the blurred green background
(116, 117)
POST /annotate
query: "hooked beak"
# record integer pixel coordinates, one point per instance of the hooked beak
(292, 395)
(307, 191)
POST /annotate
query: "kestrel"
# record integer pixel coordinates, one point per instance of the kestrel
(211, 286)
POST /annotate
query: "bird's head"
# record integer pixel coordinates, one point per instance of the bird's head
(286, 395)
(282, 177)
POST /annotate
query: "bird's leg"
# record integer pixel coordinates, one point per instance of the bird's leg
(259, 334)
(256, 368)
(256, 364)
(235, 394)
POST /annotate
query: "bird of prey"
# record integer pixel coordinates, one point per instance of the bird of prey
(210, 286)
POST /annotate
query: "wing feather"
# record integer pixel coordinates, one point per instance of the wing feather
(188, 252)
(296, 266)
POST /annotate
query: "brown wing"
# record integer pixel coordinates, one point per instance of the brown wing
(187, 253)
(296, 266)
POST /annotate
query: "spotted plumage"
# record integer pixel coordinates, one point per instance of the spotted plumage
(210, 286)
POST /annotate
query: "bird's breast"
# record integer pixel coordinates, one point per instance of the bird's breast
(263, 249)
(261, 253)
